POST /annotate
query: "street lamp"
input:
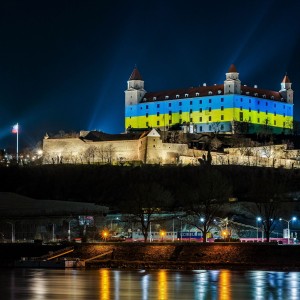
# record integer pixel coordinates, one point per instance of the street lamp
(162, 234)
(258, 219)
(288, 222)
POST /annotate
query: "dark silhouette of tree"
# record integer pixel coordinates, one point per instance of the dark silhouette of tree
(142, 201)
(205, 202)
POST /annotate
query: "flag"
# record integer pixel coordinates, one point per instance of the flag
(15, 128)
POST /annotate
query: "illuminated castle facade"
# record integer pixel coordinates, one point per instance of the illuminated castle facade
(219, 108)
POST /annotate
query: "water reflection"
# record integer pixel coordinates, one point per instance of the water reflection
(162, 284)
(104, 284)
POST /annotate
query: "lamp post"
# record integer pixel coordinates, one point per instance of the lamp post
(288, 222)
(12, 231)
(258, 219)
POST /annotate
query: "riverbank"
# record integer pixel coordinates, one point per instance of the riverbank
(177, 256)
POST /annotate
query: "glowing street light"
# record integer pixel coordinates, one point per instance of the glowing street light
(105, 235)
(162, 234)
(288, 222)
(258, 219)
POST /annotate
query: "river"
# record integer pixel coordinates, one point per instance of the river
(105, 284)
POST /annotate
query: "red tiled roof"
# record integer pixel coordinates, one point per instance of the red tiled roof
(255, 92)
(232, 69)
(208, 91)
(135, 75)
(286, 79)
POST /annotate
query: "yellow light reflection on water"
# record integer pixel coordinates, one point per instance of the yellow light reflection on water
(162, 285)
(224, 285)
(104, 284)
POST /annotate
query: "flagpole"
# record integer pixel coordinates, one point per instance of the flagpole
(17, 143)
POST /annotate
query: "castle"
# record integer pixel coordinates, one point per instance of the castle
(199, 113)
(223, 108)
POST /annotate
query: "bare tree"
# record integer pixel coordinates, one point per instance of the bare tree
(206, 202)
(144, 200)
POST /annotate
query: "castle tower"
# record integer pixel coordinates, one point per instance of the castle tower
(135, 88)
(232, 84)
(286, 90)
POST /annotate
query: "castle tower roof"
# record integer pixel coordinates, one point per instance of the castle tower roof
(232, 69)
(286, 79)
(135, 75)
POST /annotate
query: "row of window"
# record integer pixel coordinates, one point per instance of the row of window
(209, 110)
(209, 101)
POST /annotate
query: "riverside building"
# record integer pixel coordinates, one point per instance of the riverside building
(224, 108)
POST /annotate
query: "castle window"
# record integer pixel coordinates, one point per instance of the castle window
(180, 121)
(275, 113)
(147, 106)
(170, 104)
(209, 100)
(191, 102)
(258, 102)
(200, 128)
(166, 97)
(241, 116)
(157, 114)
(147, 124)
(170, 113)
(200, 101)
(222, 108)
(157, 122)
(200, 119)
(258, 111)
(209, 127)
(191, 120)
(258, 120)
(154, 98)
(186, 95)
(146, 115)
(209, 118)
(274, 122)
(197, 94)
(241, 108)
(191, 111)
(266, 103)
(241, 99)
(249, 100)
(284, 115)
(177, 96)
(249, 119)
(222, 127)
(141, 107)
(180, 103)
(209, 109)
(200, 110)
(249, 109)
(222, 117)
(170, 121)
(222, 99)
(158, 105)
(180, 112)
(274, 104)
(283, 106)
(283, 124)
(266, 112)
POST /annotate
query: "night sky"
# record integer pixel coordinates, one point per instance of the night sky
(64, 65)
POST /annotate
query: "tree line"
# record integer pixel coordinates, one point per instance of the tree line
(199, 193)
